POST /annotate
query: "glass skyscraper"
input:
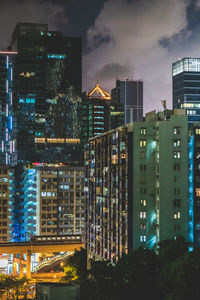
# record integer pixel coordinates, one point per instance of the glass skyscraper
(186, 86)
(7, 134)
(130, 94)
(46, 64)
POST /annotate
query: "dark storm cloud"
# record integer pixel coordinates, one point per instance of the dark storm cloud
(115, 70)
(28, 11)
(122, 36)
(72, 17)
(144, 36)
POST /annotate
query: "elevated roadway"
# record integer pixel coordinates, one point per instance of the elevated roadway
(39, 244)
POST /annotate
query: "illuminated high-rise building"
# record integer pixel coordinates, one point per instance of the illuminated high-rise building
(130, 94)
(6, 203)
(7, 126)
(52, 200)
(137, 185)
(186, 86)
(63, 130)
(46, 64)
(39, 67)
(99, 113)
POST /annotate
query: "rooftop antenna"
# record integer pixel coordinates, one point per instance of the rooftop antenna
(164, 104)
(97, 77)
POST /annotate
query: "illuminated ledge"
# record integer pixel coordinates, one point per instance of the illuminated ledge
(56, 141)
(98, 92)
(8, 52)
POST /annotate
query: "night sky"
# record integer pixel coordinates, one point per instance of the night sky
(136, 39)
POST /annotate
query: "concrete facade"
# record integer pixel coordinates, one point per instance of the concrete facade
(137, 185)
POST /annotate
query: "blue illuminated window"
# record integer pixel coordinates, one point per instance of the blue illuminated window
(56, 56)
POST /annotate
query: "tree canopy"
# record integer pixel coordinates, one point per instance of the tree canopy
(172, 273)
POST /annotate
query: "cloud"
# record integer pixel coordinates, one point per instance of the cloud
(131, 35)
(197, 4)
(35, 11)
(114, 70)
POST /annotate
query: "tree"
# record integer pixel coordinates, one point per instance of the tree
(134, 274)
(76, 265)
(182, 278)
(140, 270)
(8, 282)
(170, 250)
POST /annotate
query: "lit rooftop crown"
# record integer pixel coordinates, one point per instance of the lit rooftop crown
(98, 92)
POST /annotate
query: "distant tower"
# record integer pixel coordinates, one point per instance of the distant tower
(46, 64)
(99, 113)
(8, 154)
(130, 93)
(186, 86)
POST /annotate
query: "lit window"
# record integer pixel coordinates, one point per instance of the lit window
(143, 226)
(187, 105)
(176, 130)
(143, 202)
(142, 214)
(143, 131)
(191, 112)
(143, 238)
(177, 215)
(177, 154)
(197, 192)
(197, 130)
(177, 143)
(143, 143)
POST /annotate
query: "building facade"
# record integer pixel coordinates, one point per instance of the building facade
(6, 203)
(99, 113)
(60, 200)
(186, 86)
(50, 201)
(46, 64)
(137, 185)
(8, 153)
(130, 94)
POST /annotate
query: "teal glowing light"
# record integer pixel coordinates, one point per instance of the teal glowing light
(152, 241)
(27, 100)
(56, 56)
(153, 217)
(191, 196)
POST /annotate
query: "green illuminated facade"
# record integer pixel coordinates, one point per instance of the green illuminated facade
(137, 185)
(99, 115)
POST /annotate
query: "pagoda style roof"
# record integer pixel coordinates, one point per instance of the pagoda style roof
(98, 92)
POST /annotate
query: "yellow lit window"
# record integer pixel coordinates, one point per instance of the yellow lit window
(143, 202)
(143, 143)
(197, 130)
(198, 192)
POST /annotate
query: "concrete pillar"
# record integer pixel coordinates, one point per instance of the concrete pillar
(14, 265)
(21, 257)
(28, 264)
(40, 257)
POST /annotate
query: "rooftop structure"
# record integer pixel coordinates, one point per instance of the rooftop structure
(186, 86)
(98, 92)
